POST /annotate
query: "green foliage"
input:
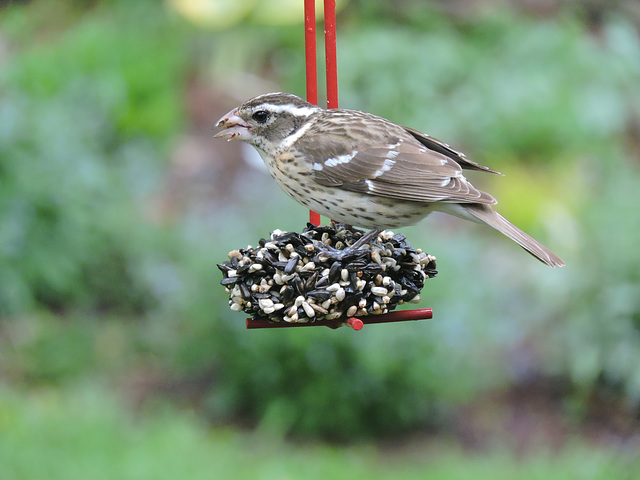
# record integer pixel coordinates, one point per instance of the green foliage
(83, 123)
(84, 433)
(87, 116)
(504, 84)
(599, 335)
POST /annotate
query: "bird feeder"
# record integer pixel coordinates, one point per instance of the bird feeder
(304, 280)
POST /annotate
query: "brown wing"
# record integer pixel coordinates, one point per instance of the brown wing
(393, 164)
(441, 147)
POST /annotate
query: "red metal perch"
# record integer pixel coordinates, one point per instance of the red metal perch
(356, 323)
(353, 322)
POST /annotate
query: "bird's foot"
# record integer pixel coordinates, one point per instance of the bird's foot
(352, 251)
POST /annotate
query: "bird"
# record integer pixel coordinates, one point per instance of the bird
(364, 170)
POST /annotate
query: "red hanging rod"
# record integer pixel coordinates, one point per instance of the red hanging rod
(330, 52)
(311, 68)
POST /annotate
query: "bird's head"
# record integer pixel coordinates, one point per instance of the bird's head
(266, 120)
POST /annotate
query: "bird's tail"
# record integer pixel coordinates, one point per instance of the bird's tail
(487, 215)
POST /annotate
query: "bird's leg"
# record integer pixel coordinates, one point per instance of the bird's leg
(352, 250)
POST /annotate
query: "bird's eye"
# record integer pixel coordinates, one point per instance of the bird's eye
(260, 116)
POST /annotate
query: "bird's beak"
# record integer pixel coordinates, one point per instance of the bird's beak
(234, 127)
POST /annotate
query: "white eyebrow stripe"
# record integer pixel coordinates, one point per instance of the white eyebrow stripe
(334, 162)
(295, 111)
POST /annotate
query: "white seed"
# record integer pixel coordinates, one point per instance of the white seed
(236, 307)
(254, 267)
(386, 299)
(386, 281)
(332, 315)
(344, 274)
(232, 273)
(378, 279)
(326, 304)
(362, 303)
(333, 288)
(235, 253)
(308, 266)
(294, 317)
(352, 311)
(380, 291)
(278, 306)
(319, 309)
(239, 300)
(415, 299)
(387, 235)
(299, 301)
(265, 302)
(375, 256)
(308, 310)
(375, 306)
(360, 284)
(288, 247)
(278, 278)
(340, 294)
(268, 310)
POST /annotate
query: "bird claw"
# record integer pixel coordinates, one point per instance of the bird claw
(351, 252)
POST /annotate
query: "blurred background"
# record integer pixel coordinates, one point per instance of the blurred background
(119, 356)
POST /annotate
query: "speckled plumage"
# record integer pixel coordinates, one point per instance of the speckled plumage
(364, 170)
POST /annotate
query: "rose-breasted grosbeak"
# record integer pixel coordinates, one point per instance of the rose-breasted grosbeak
(364, 170)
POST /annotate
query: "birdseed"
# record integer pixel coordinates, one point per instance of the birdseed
(308, 277)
